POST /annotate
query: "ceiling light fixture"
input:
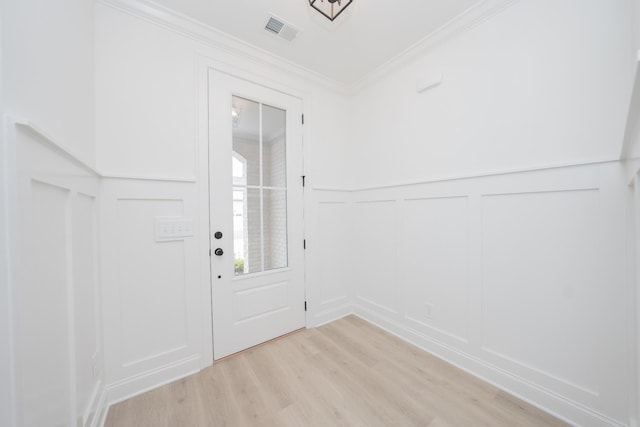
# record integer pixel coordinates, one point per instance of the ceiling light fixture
(330, 9)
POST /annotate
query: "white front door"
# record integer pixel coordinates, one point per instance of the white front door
(256, 205)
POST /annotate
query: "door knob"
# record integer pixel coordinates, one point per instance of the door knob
(218, 235)
(218, 252)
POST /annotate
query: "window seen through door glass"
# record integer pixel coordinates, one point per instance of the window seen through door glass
(260, 186)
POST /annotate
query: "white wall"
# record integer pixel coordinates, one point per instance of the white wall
(634, 273)
(55, 293)
(524, 90)
(635, 20)
(331, 267)
(517, 277)
(631, 154)
(147, 104)
(52, 198)
(48, 68)
(6, 350)
(151, 134)
(542, 83)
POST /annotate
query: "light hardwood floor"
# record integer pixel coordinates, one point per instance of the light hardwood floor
(347, 373)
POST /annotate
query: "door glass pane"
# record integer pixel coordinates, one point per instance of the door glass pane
(245, 118)
(247, 233)
(259, 187)
(274, 166)
(275, 229)
(239, 228)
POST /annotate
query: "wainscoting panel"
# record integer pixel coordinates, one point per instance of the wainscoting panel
(435, 266)
(85, 249)
(334, 245)
(541, 272)
(45, 315)
(152, 281)
(376, 255)
(518, 278)
(329, 256)
(152, 304)
(55, 287)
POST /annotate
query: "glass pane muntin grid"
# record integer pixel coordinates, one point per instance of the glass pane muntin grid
(260, 187)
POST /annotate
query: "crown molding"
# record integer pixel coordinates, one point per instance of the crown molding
(460, 24)
(196, 30)
(200, 32)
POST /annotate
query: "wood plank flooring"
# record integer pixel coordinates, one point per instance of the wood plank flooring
(347, 373)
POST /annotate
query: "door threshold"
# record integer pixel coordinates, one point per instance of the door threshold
(259, 345)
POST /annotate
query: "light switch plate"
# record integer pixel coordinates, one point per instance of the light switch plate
(173, 228)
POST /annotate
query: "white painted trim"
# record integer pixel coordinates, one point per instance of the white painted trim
(10, 199)
(527, 391)
(71, 309)
(102, 409)
(378, 306)
(202, 171)
(331, 189)
(58, 147)
(633, 167)
(453, 28)
(634, 259)
(439, 331)
(187, 179)
(204, 64)
(149, 380)
(11, 125)
(53, 142)
(334, 300)
(331, 315)
(203, 33)
(96, 407)
(198, 31)
(633, 117)
(462, 177)
(7, 394)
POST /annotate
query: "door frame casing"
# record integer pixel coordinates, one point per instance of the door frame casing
(204, 65)
(280, 307)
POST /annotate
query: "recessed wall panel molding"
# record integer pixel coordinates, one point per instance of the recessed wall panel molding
(333, 245)
(376, 254)
(152, 306)
(45, 311)
(86, 309)
(517, 278)
(329, 255)
(435, 265)
(152, 281)
(55, 291)
(541, 260)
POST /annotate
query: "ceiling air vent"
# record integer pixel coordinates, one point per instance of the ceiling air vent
(280, 28)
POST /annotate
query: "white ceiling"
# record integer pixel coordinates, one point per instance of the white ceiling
(364, 37)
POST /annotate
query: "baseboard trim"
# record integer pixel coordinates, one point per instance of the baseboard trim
(323, 317)
(138, 384)
(92, 412)
(101, 410)
(559, 406)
